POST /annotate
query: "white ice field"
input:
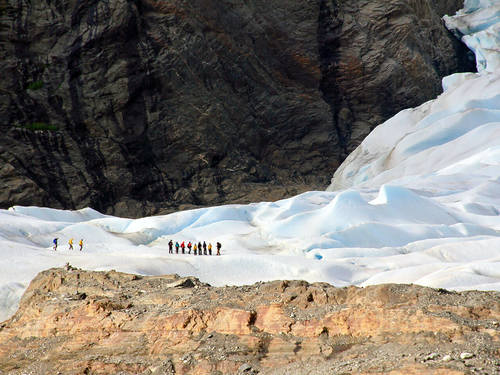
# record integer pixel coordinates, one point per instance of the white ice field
(417, 202)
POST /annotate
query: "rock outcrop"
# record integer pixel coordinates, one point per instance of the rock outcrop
(141, 107)
(72, 321)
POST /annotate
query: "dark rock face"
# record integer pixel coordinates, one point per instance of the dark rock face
(161, 105)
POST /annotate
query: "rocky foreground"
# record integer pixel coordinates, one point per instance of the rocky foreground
(72, 321)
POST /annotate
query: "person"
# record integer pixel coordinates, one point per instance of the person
(210, 248)
(219, 245)
(190, 245)
(200, 248)
(177, 247)
(81, 244)
(170, 247)
(70, 243)
(55, 244)
(205, 247)
(183, 246)
(195, 248)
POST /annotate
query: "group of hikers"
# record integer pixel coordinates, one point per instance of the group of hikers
(70, 244)
(198, 248)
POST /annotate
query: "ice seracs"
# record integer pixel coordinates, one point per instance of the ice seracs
(479, 25)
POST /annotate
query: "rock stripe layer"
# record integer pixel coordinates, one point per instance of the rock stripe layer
(73, 321)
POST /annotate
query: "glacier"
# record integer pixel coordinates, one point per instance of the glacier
(416, 202)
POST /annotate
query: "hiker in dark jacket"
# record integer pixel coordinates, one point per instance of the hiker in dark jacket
(219, 245)
(200, 247)
(170, 247)
(205, 248)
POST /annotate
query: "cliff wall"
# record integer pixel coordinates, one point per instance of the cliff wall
(136, 107)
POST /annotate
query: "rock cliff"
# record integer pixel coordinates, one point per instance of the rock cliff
(136, 107)
(72, 321)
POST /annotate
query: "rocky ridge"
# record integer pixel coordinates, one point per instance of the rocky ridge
(73, 321)
(136, 107)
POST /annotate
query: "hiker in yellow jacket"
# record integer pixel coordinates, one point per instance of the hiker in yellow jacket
(70, 243)
(81, 244)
